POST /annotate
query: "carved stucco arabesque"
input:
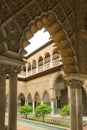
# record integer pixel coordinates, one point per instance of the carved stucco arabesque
(16, 15)
(8, 69)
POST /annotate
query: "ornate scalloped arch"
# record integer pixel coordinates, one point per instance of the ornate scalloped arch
(51, 24)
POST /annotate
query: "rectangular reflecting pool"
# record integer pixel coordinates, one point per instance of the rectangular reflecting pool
(37, 126)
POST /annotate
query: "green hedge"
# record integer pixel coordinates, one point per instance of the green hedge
(65, 111)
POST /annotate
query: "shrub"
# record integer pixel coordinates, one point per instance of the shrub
(65, 111)
(42, 110)
(25, 110)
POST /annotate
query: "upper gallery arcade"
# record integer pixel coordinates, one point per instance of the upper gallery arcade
(64, 60)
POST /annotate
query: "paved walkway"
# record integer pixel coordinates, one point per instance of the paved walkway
(23, 128)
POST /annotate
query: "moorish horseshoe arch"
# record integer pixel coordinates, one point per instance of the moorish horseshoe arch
(51, 24)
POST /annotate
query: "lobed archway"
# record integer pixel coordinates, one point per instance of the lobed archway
(21, 99)
(57, 33)
(37, 99)
(46, 98)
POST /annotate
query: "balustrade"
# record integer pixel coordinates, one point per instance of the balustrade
(47, 66)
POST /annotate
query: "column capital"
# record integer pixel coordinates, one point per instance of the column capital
(13, 70)
(75, 83)
(52, 99)
(2, 70)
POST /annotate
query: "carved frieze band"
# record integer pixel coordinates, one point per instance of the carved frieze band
(75, 83)
(8, 69)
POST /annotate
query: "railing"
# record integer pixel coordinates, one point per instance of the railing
(40, 68)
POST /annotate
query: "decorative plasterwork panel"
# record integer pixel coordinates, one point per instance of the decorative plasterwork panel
(22, 18)
(4, 12)
(12, 36)
(34, 9)
(16, 15)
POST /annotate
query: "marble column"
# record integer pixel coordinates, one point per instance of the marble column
(68, 95)
(2, 98)
(26, 101)
(73, 109)
(52, 106)
(33, 107)
(79, 108)
(27, 69)
(12, 122)
(41, 101)
(76, 104)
